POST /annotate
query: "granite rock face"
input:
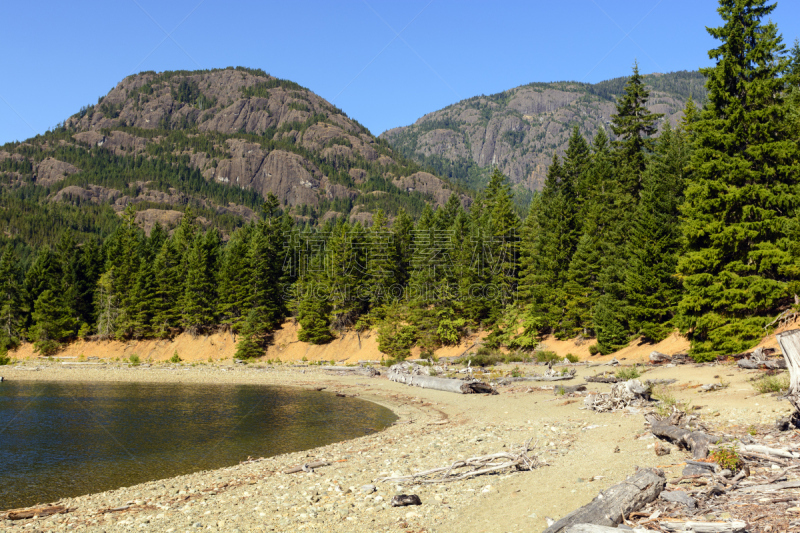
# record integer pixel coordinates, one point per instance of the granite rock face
(518, 130)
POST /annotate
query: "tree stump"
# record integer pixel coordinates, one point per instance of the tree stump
(789, 341)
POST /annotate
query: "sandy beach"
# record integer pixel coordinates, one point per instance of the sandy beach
(583, 452)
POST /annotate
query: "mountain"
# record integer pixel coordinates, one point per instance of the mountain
(217, 141)
(518, 130)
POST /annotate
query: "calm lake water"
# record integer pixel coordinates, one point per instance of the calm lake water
(62, 439)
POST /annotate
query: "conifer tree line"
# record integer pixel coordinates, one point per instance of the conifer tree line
(638, 231)
(696, 229)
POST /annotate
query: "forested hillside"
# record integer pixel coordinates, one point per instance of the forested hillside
(518, 130)
(218, 141)
(640, 228)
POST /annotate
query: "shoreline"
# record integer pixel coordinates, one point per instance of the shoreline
(433, 429)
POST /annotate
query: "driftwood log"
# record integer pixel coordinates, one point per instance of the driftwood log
(603, 378)
(459, 386)
(22, 514)
(696, 441)
(592, 528)
(612, 505)
(308, 467)
(758, 360)
(353, 370)
(563, 390)
(734, 526)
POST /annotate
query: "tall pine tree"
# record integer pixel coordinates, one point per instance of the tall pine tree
(744, 189)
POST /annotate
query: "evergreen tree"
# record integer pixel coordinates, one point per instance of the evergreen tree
(169, 284)
(53, 323)
(234, 279)
(313, 307)
(504, 228)
(11, 301)
(744, 189)
(603, 214)
(43, 274)
(403, 233)
(652, 288)
(198, 294)
(382, 259)
(144, 302)
(555, 241)
(634, 125)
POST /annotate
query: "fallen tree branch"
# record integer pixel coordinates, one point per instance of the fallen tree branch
(476, 466)
(734, 526)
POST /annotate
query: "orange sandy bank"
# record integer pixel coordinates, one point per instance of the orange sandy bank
(349, 347)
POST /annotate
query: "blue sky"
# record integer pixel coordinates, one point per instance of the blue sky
(384, 63)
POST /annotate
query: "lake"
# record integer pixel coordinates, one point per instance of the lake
(60, 439)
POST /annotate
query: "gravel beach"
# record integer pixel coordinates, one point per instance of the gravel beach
(582, 452)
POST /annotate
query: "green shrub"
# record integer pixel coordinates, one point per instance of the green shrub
(547, 357)
(776, 383)
(727, 457)
(572, 358)
(516, 373)
(177, 359)
(629, 373)
(134, 359)
(594, 349)
(515, 357)
(4, 358)
(485, 356)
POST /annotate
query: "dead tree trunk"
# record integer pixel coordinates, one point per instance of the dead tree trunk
(789, 341)
(617, 502)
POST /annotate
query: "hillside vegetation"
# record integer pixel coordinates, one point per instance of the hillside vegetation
(218, 141)
(640, 228)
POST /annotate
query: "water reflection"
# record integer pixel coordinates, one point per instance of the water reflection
(66, 439)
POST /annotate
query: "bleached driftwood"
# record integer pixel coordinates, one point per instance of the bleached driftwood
(758, 360)
(308, 467)
(734, 526)
(622, 395)
(550, 375)
(771, 487)
(397, 373)
(353, 370)
(766, 450)
(592, 528)
(563, 390)
(47, 510)
(613, 504)
(475, 466)
(603, 378)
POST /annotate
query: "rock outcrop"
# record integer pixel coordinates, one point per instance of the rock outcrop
(52, 171)
(518, 130)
